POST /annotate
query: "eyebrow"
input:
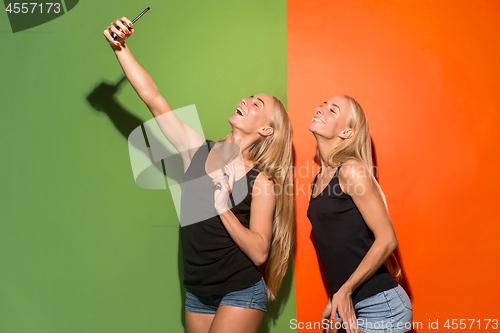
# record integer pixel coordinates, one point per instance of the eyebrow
(263, 104)
(336, 106)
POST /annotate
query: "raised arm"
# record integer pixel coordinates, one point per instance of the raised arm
(184, 138)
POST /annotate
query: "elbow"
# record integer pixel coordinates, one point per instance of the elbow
(260, 259)
(150, 99)
(388, 244)
(393, 244)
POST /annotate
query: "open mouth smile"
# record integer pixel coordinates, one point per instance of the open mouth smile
(316, 120)
(240, 111)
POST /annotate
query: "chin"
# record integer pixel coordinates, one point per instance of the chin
(317, 131)
(233, 122)
(311, 128)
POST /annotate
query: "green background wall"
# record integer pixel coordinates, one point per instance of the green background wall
(82, 248)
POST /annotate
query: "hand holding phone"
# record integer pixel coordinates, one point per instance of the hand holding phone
(121, 29)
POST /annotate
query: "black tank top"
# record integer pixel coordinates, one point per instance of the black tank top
(213, 263)
(343, 239)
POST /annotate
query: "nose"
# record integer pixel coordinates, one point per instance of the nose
(244, 101)
(319, 110)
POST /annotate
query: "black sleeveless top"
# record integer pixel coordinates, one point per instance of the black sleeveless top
(343, 239)
(213, 263)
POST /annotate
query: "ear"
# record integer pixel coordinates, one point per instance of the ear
(266, 130)
(347, 133)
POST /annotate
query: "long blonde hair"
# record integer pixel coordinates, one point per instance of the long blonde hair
(272, 155)
(359, 148)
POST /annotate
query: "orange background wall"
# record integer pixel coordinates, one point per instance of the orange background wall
(426, 74)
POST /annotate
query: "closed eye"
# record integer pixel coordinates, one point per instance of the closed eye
(255, 103)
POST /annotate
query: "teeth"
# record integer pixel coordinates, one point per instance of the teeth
(240, 111)
(317, 120)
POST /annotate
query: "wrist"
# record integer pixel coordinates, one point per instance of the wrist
(345, 290)
(222, 210)
(117, 48)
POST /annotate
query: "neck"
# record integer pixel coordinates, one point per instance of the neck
(243, 141)
(324, 147)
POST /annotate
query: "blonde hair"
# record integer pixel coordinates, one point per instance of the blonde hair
(272, 155)
(359, 148)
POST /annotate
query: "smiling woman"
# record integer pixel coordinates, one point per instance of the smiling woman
(226, 252)
(354, 234)
(251, 113)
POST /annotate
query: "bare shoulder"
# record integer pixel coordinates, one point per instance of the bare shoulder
(262, 185)
(354, 171)
(352, 175)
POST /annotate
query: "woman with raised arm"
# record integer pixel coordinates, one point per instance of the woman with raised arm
(226, 243)
(354, 234)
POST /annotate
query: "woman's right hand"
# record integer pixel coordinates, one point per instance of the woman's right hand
(122, 28)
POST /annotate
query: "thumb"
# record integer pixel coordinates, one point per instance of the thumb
(326, 313)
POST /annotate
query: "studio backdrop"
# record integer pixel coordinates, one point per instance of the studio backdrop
(84, 248)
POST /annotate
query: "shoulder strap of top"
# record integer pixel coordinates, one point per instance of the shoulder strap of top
(208, 144)
(315, 179)
(209, 147)
(254, 171)
(337, 171)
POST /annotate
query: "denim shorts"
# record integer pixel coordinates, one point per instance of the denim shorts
(254, 297)
(389, 311)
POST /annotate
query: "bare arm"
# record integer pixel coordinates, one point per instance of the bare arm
(256, 240)
(369, 200)
(368, 197)
(183, 137)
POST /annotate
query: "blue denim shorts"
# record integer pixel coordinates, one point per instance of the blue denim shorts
(389, 311)
(254, 297)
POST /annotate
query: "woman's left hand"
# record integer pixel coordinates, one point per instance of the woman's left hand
(342, 303)
(224, 185)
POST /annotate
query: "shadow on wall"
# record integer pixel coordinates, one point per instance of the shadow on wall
(102, 98)
(404, 282)
(275, 308)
